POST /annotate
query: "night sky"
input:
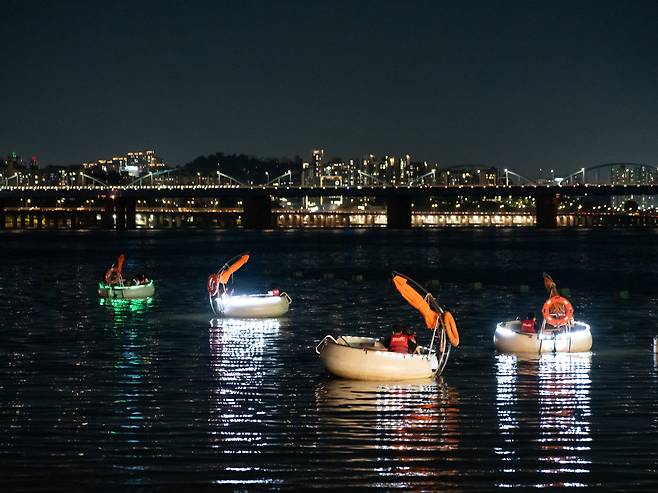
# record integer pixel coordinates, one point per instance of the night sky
(526, 85)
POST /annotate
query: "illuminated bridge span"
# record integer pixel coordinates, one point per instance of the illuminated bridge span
(120, 202)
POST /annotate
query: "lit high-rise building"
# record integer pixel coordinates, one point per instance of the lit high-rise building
(133, 164)
(317, 161)
(634, 175)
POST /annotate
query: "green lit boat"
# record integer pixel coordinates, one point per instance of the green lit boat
(120, 291)
(113, 286)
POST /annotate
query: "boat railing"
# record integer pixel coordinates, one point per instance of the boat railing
(559, 331)
(287, 297)
(442, 349)
(324, 341)
(443, 359)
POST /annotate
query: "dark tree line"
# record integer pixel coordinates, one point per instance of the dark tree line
(243, 167)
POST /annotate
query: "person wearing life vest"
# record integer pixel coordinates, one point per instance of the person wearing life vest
(398, 341)
(528, 324)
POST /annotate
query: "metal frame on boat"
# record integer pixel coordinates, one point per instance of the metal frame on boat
(113, 285)
(225, 304)
(559, 331)
(365, 358)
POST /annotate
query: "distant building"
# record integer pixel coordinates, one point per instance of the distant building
(627, 174)
(633, 175)
(12, 163)
(317, 162)
(133, 164)
(468, 175)
(15, 170)
(367, 171)
(144, 162)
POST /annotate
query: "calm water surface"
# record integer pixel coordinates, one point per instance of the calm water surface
(160, 396)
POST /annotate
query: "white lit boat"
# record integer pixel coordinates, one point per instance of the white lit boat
(559, 332)
(224, 303)
(576, 338)
(365, 358)
(252, 305)
(138, 291)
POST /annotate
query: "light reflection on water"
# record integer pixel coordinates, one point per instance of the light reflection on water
(146, 393)
(403, 424)
(130, 368)
(545, 401)
(237, 348)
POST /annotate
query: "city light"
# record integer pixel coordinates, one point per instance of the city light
(333, 187)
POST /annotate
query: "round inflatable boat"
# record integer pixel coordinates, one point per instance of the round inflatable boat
(224, 303)
(138, 291)
(251, 305)
(574, 338)
(365, 358)
(559, 331)
(115, 286)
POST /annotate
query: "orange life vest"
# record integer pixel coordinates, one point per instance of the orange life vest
(399, 343)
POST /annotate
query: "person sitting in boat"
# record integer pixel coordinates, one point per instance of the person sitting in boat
(273, 291)
(411, 340)
(142, 278)
(398, 341)
(386, 341)
(528, 324)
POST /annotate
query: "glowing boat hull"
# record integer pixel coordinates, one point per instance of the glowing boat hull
(365, 358)
(251, 306)
(508, 338)
(140, 291)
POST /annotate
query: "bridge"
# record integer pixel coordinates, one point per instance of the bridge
(120, 202)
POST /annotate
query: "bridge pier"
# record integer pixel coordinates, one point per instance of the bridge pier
(125, 209)
(257, 212)
(546, 210)
(131, 212)
(107, 221)
(120, 211)
(398, 212)
(3, 215)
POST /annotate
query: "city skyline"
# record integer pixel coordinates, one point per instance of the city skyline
(122, 158)
(525, 85)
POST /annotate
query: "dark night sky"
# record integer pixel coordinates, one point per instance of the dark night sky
(522, 84)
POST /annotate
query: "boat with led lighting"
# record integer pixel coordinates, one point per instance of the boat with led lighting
(115, 286)
(559, 331)
(575, 338)
(140, 291)
(366, 358)
(224, 303)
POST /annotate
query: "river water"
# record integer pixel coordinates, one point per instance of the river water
(159, 395)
